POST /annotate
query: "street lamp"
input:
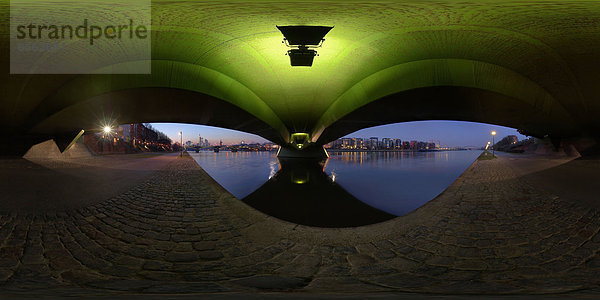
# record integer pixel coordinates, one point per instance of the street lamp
(493, 144)
(181, 142)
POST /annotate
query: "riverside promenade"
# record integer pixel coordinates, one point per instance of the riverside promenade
(175, 231)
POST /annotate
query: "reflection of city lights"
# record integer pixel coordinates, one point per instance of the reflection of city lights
(272, 168)
(333, 176)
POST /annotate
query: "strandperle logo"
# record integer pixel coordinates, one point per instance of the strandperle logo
(80, 37)
(83, 31)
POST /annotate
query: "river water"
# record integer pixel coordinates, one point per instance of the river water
(349, 189)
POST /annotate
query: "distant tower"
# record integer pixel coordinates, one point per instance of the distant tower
(220, 142)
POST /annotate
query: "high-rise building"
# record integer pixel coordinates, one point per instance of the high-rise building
(386, 143)
(374, 143)
(346, 143)
(357, 143)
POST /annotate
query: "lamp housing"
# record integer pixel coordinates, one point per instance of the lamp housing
(302, 38)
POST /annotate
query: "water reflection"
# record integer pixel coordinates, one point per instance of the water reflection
(240, 173)
(302, 193)
(398, 182)
(349, 189)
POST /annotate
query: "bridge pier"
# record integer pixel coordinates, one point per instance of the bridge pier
(312, 151)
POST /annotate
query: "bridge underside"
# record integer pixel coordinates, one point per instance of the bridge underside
(442, 103)
(529, 65)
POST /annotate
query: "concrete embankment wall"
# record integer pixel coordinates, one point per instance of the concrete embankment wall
(49, 150)
(565, 149)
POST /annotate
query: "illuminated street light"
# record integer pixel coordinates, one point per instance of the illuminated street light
(106, 131)
(181, 142)
(493, 144)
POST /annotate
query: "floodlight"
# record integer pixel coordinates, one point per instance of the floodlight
(302, 38)
(302, 57)
(300, 140)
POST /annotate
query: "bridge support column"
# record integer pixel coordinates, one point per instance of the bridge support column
(312, 151)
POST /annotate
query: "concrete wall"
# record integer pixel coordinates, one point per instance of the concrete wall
(49, 150)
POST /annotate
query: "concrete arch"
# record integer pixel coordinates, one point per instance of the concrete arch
(166, 74)
(158, 104)
(523, 40)
(431, 73)
(453, 102)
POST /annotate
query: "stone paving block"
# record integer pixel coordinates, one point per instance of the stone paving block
(273, 282)
(5, 274)
(335, 270)
(444, 261)
(349, 249)
(169, 229)
(210, 255)
(402, 264)
(301, 248)
(384, 254)
(181, 256)
(360, 259)
(419, 255)
(304, 265)
(366, 248)
(477, 288)
(123, 284)
(470, 264)
(404, 249)
(343, 284)
(205, 245)
(159, 275)
(156, 265)
(403, 281)
(241, 261)
(372, 269)
(184, 288)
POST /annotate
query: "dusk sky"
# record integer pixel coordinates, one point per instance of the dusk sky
(450, 133)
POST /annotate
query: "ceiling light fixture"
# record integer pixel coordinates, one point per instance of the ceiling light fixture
(302, 39)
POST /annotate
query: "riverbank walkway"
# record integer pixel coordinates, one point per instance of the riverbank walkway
(172, 230)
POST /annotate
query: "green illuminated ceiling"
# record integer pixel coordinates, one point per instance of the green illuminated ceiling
(544, 54)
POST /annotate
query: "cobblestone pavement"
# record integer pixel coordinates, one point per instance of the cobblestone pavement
(179, 232)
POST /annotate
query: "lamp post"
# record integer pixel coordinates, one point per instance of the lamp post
(493, 144)
(181, 142)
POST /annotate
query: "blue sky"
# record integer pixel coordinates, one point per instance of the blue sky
(450, 133)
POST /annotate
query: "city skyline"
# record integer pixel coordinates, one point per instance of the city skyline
(192, 132)
(450, 133)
